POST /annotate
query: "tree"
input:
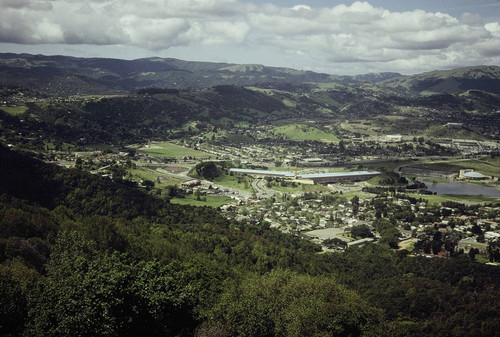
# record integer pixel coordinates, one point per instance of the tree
(362, 231)
(208, 170)
(283, 303)
(355, 204)
(476, 229)
(90, 293)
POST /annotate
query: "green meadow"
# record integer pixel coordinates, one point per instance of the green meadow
(439, 198)
(14, 110)
(165, 149)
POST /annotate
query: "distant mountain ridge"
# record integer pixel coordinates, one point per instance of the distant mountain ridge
(376, 77)
(484, 78)
(65, 75)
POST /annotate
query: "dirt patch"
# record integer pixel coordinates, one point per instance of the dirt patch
(176, 169)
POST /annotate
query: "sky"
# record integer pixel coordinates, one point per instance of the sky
(328, 36)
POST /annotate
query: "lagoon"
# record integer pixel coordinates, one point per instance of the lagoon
(461, 188)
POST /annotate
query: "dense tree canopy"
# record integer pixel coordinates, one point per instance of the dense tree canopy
(81, 255)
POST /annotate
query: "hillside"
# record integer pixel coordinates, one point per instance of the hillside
(63, 75)
(484, 78)
(162, 99)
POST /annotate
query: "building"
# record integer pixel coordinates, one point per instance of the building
(263, 173)
(318, 178)
(335, 177)
(453, 125)
(393, 138)
(470, 174)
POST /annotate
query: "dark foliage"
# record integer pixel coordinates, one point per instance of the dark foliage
(81, 255)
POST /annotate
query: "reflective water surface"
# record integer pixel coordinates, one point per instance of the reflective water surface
(461, 188)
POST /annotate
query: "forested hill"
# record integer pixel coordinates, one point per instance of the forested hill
(154, 114)
(83, 255)
(483, 78)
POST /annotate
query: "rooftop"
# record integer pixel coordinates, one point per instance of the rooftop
(263, 172)
(474, 175)
(338, 174)
(306, 176)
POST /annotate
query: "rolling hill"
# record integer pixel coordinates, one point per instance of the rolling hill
(484, 78)
(63, 75)
(70, 75)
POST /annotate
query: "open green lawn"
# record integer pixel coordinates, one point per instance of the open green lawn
(14, 110)
(304, 132)
(210, 201)
(240, 183)
(376, 180)
(165, 149)
(438, 198)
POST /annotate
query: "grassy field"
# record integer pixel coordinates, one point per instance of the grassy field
(144, 173)
(15, 110)
(211, 201)
(171, 150)
(359, 194)
(437, 199)
(232, 182)
(376, 180)
(408, 244)
(304, 132)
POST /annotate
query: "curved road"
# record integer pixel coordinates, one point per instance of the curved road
(261, 190)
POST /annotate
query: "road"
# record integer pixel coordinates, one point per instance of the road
(226, 191)
(261, 190)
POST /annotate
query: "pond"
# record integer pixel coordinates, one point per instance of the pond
(461, 189)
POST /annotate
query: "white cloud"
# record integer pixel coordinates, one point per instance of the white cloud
(301, 7)
(356, 36)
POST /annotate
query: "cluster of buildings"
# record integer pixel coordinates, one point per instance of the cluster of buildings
(323, 218)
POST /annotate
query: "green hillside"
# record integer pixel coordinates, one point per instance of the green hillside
(304, 132)
(485, 78)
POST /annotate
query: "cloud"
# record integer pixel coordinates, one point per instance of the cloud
(301, 7)
(332, 38)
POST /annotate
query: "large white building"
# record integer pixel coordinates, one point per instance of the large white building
(318, 178)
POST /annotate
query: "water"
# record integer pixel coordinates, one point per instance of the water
(462, 189)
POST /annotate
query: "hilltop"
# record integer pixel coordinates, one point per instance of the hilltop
(484, 78)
